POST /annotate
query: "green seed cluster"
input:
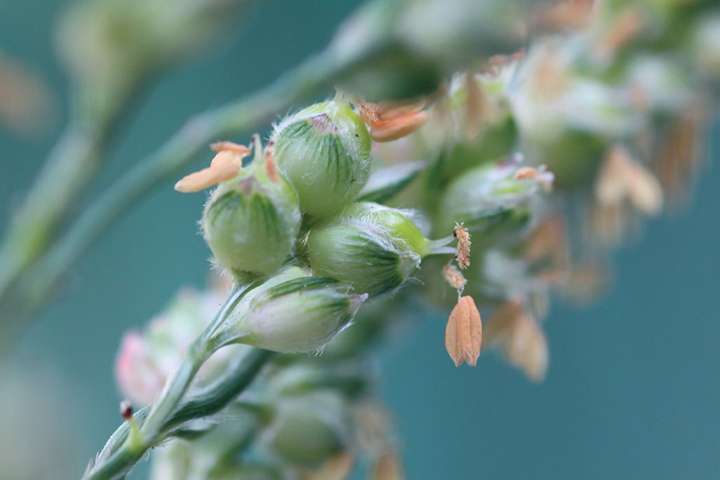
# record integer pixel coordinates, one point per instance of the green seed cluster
(544, 159)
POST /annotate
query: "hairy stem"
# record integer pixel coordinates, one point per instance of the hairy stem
(173, 393)
(212, 399)
(169, 412)
(118, 457)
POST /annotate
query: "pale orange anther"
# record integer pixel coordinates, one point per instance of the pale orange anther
(270, 165)
(566, 14)
(454, 277)
(388, 467)
(462, 255)
(540, 175)
(678, 156)
(625, 28)
(622, 177)
(337, 467)
(226, 146)
(520, 338)
(388, 122)
(474, 106)
(548, 240)
(389, 130)
(463, 333)
(496, 63)
(551, 75)
(526, 173)
(224, 166)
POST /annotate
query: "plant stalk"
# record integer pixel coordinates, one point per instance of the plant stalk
(168, 412)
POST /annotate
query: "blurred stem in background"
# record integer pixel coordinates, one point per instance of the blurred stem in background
(112, 50)
(35, 289)
(70, 167)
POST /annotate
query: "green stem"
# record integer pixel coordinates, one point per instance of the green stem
(70, 166)
(173, 393)
(118, 457)
(229, 386)
(119, 454)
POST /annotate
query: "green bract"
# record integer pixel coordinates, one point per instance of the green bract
(292, 311)
(489, 195)
(252, 221)
(369, 246)
(309, 429)
(492, 138)
(324, 151)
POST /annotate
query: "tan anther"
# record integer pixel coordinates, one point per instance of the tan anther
(566, 14)
(270, 165)
(454, 277)
(496, 63)
(526, 173)
(338, 467)
(625, 28)
(463, 333)
(644, 190)
(475, 106)
(584, 282)
(550, 76)
(520, 338)
(610, 188)
(390, 121)
(224, 166)
(622, 177)
(462, 235)
(541, 175)
(388, 467)
(548, 240)
(373, 427)
(608, 224)
(226, 146)
(678, 155)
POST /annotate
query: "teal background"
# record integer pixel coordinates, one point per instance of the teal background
(633, 390)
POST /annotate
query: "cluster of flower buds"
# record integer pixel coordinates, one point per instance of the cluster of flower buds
(306, 415)
(299, 204)
(519, 156)
(291, 219)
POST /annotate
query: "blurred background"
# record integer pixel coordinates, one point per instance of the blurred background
(631, 393)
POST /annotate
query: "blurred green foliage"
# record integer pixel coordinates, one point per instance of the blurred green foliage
(632, 392)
